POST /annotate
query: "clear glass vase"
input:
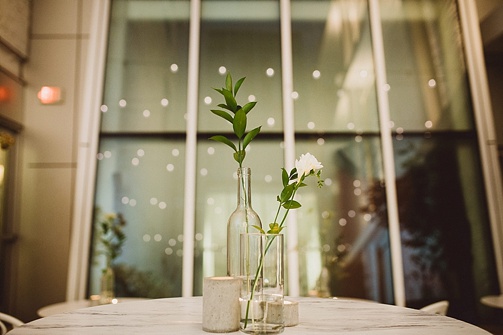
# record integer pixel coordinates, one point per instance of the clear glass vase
(107, 293)
(262, 272)
(240, 221)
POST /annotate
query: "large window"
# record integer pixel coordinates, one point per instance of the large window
(341, 236)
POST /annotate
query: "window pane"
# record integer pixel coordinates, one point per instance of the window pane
(343, 249)
(241, 37)
(143, 180)
(146, 77)
(234, 33)
(141, 177)
(333, 67)
(426, 72)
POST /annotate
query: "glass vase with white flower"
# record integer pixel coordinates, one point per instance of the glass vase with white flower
(262, 290)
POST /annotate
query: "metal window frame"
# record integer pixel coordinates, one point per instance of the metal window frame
(486, 133)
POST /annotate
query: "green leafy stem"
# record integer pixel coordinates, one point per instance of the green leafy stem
(237, 116)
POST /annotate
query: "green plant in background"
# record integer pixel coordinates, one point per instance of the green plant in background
(110, 235)
(237, 116)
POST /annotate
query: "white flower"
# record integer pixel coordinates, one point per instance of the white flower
(306, 164)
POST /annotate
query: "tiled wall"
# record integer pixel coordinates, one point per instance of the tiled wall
(59, 36)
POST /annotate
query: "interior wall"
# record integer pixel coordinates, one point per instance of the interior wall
(58, 40)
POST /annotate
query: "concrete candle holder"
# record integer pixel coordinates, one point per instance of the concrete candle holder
(221, 304)
(291, 313)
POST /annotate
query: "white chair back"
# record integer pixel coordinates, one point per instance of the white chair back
(5, 318)
(439, 307)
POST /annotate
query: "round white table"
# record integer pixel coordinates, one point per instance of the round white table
(184, 316)
(68, 306)
(495, 301)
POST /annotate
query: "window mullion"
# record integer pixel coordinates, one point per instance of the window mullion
(289, 140)
(387, 151)
(191, 151)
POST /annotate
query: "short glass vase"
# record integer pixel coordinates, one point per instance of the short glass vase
(262, 272)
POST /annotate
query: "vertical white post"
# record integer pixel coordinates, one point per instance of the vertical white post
(485, 125)
(191, 151)
(289, 141)
(387, 151)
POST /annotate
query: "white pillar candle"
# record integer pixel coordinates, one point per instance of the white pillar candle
(221, 304)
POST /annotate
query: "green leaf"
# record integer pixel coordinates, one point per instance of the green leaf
(228, 82)
(239, 123)
(225, 106)
(259, 229)
(219, 90)
(291, 204)
(250, 136)
(239, 156)
(249, 106)
(223, 114)
(230, 100)
(287, 192)
(224, 140)
(284, 177)
(238, 85)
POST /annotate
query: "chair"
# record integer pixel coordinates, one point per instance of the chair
(10, 320)
(439, 307)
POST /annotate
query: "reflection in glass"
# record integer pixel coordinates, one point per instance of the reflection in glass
(136, 181)
(147, 61)
(343, 247)
(243, 38)
(333, 67)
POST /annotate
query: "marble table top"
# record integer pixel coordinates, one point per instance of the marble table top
(67, 306)
(184, 316)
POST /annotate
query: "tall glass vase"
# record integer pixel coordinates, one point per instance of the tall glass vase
(240, 221)
(262, 272)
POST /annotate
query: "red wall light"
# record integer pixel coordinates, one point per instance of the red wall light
(49, 95)
(4, 94)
